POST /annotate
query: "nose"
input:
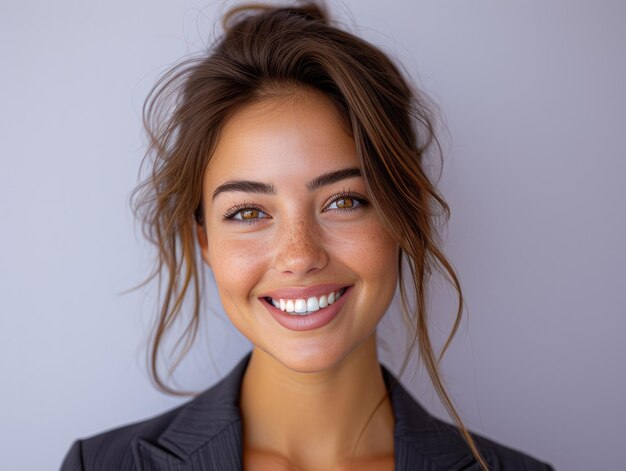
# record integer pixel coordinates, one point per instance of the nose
(299, 247)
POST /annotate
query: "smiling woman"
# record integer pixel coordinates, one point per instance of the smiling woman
(291, 161)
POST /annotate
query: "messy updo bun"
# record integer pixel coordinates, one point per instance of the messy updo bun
(236, 18)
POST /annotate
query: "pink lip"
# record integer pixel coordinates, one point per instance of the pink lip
(303, 293)
(311, 321)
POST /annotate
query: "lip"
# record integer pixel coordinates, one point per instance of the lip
(304, 292)
(311, 321)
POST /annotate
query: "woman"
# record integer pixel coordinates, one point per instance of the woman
(292, 164)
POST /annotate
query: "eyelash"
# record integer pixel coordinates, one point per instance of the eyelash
(347, 194)
(232, 212)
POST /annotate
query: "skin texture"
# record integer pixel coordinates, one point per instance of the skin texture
(306, 395)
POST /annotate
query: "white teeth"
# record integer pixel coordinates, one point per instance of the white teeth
(303, 306)
(312, 304)
(300, 306)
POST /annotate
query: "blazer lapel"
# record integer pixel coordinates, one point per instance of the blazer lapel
(222, 452)
(206, 435)
(422, 441)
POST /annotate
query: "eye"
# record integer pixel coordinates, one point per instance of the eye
(245, 214)
(346, 202)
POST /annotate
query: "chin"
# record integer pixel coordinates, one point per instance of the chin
(314, 359)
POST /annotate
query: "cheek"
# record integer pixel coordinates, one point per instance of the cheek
(369, 250)
(237, 266)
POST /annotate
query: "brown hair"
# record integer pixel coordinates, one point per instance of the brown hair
(267, 50)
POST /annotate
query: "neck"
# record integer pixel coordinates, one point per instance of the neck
(318, 420)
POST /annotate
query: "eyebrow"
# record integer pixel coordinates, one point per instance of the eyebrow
(250, 186)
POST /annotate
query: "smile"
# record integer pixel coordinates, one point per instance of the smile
(302, 306)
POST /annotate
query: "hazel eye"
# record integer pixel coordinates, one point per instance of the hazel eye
(251, 213)
(245, 214)
(345, 202)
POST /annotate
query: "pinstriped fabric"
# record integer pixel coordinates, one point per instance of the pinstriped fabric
(114, 453)
(221, 453)
(409, 455)
(227, 449)
(205, 434)
(209, 416)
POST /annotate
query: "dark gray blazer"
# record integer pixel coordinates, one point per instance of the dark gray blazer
(205, 434)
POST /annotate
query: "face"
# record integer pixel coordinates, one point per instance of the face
(288, 221)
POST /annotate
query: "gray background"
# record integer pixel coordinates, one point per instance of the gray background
(533, 95)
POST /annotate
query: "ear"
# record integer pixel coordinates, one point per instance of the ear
(203, 242)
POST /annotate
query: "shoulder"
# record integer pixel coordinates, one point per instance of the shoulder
(424, 441)
(169, 437)
(440, 444)
(507, 458)
(113, 448)
(446, 446)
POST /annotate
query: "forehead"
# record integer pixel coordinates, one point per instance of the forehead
(296, 136)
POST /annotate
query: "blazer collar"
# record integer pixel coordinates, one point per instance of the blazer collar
(424, 442)
(207, 433)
